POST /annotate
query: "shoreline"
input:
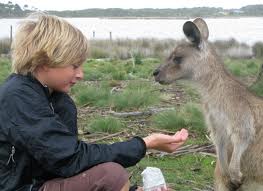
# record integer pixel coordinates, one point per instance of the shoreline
(149, 18)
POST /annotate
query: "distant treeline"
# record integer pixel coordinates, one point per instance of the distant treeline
(14, 10)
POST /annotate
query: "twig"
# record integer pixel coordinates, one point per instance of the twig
(204, 149)
(139, 113)
(161, 130)
(107, 137)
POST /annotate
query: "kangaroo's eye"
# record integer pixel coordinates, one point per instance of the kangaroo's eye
(177, 59)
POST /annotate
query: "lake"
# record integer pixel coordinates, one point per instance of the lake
(248, 30)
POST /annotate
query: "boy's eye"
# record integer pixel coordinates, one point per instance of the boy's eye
(75, 66)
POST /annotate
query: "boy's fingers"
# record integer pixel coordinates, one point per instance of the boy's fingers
(180, 135)
(184, 134)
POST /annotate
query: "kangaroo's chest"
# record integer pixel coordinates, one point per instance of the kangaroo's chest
(216, 117)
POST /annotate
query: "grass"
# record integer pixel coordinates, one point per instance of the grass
(108, 69)
(127, 85)
(137, 94)
(104, 124)
(181, 173)
(124, 49)
(127, 48)
(98, 95)
(190, 90)
(4, 46)
(5, 68)
(244, 67)
(169, 120)
(257, 88)
(189, 116)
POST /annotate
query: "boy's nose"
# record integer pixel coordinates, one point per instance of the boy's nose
(80, 73)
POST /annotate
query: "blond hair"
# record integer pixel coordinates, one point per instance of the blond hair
(47, 40)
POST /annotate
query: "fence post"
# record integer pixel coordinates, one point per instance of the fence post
(93, 34)
(110, 36)
(11, 34)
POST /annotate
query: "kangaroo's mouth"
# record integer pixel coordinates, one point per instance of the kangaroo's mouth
(163, 82)
(158, 77)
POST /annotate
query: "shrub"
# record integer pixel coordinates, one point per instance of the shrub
(4, 46)
(189, 116)
(135, 95)
(98, 53)
(257, 88)
(138, 58)
(5, 69)
(105, 124)
(170, 120)
(240, 67)
(91, 95)
(257, 49)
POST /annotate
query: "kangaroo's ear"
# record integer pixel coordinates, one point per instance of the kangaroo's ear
(203, 28)
(192, 32)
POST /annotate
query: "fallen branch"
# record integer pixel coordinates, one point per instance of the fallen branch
(208, 150)
(160, 130)
(139, 113)
(107, 137)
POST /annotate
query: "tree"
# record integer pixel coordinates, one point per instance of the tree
(25, 7)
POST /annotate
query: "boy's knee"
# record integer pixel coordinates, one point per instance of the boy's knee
(114, 174)
(113, 170)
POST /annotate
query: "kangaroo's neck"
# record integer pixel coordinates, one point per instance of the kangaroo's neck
(215, 79)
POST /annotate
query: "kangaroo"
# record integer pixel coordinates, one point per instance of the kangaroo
(234, 115)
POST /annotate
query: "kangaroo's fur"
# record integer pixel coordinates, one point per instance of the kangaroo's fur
(234, 116)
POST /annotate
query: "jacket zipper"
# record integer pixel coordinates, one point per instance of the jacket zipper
(11, 156)
(52, 108)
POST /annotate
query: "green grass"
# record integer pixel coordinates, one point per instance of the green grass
(190, 90)
(143, 70)
(189, 116)
(137, 94)
(94, 95)
(242, 68)
(108, 69)
(170, 120)
(257, 88)
(126, 48)
(5, 69)
(181, 173)
(104, 124)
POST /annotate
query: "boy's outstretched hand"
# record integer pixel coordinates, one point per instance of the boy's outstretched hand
(166, 143)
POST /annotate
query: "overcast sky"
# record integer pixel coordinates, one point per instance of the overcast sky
(126, 4)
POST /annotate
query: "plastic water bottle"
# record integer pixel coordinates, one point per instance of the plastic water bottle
(153, 179)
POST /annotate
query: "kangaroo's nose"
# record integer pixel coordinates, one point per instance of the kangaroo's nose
(156, 72)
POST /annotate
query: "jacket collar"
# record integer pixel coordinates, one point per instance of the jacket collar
(35, 80)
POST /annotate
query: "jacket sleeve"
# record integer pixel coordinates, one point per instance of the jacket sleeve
(34, 129)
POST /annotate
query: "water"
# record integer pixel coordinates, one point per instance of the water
(247, 30)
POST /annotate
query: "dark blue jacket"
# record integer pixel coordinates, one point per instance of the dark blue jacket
(38, 138)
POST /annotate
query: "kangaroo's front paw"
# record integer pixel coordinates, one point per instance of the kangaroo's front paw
(234, 186)
(236, 177)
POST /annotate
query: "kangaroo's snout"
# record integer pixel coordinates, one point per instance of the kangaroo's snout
(156, 72)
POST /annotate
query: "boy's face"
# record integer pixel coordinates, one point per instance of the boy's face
(62, 78)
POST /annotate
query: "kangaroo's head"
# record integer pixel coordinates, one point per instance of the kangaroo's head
(187, 60)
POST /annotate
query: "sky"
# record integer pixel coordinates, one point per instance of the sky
(60, 5)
